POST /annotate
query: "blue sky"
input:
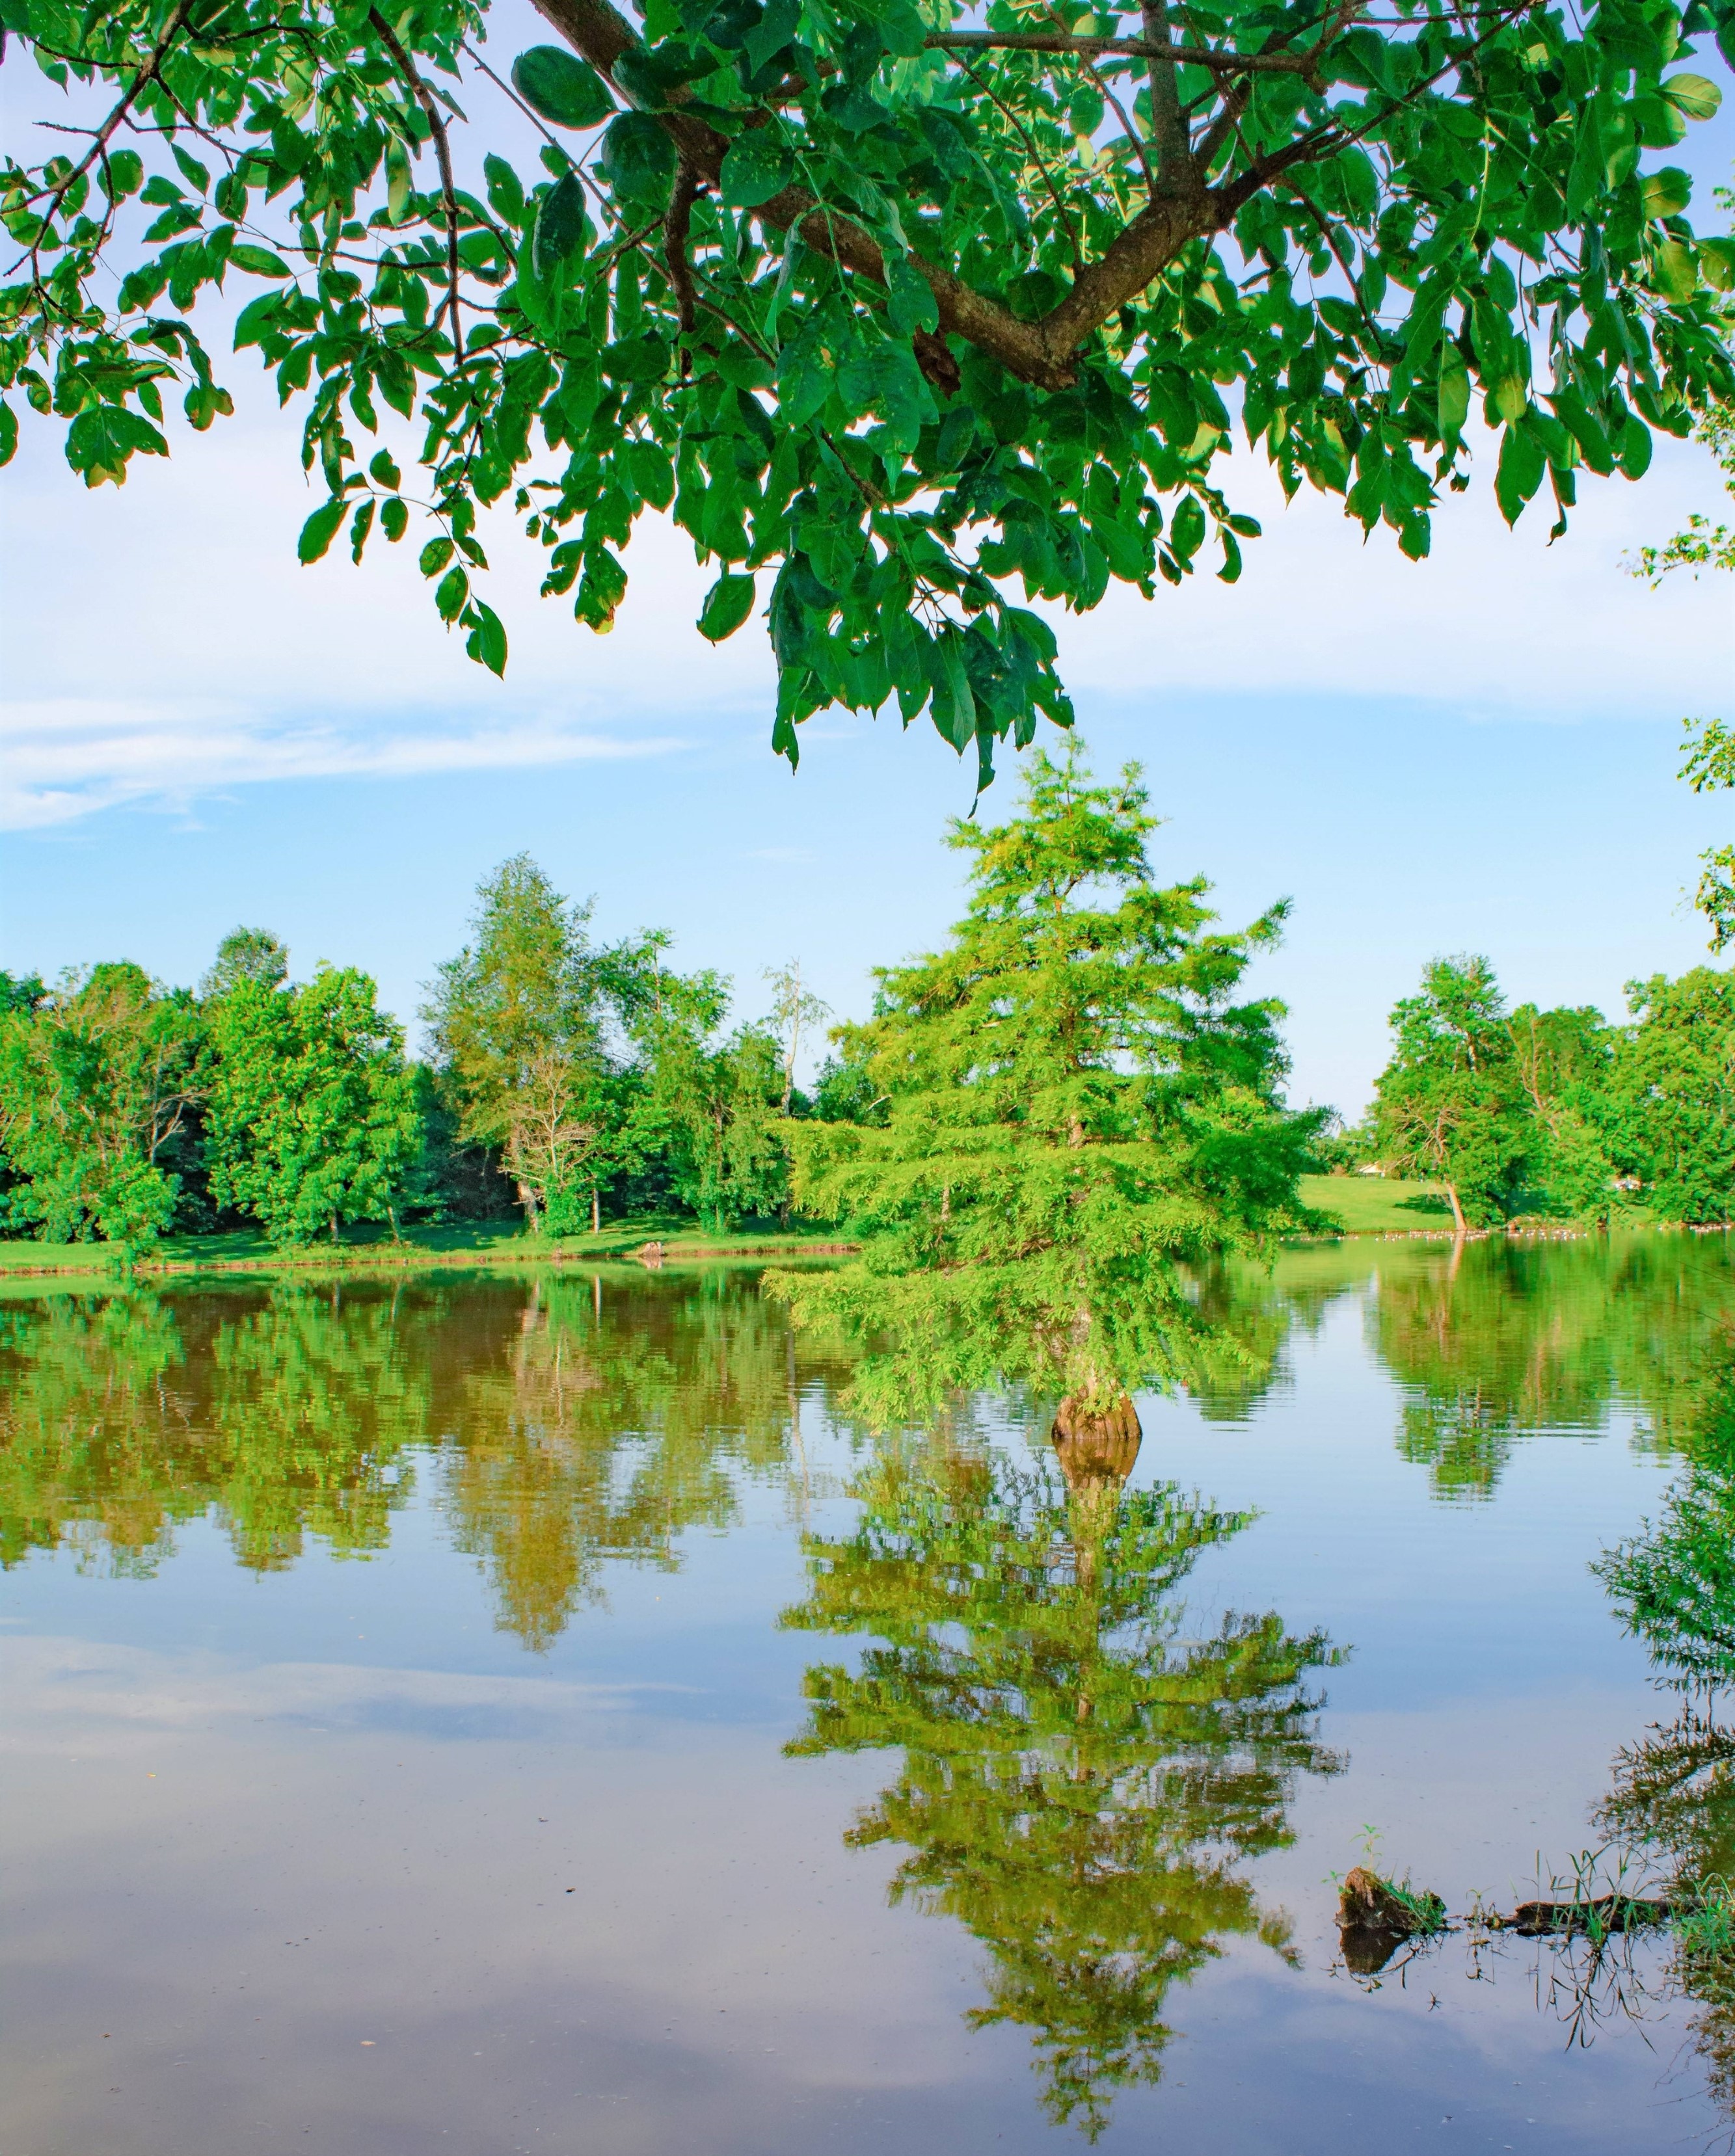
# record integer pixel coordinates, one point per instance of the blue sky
(1474, 752)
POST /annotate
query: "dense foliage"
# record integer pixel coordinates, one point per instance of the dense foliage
(1076, 1105)
(560, 1071)
(1558, 1112)
(893, 309)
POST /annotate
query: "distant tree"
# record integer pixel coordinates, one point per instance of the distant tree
(1563, 1059)
(1076, 1109)
(21, 991)
(844, 1091)
(710, 1103)
(1449, 1105)
(246, 954)
(529, 1020)
(311, 1119)
(795, 1010)
(1671, 1094)
(97, 1081)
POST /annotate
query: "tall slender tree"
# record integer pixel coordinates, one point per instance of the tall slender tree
(1078, 1108)
(529, 1021)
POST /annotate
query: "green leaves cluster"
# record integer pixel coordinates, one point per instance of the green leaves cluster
(909, 318)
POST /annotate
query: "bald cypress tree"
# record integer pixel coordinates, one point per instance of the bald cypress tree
(1081, 1104)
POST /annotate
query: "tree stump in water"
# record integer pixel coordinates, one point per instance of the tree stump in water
(1096, 1450)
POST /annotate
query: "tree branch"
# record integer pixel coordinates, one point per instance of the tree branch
(425, 98)
(146, 73)
(1149, 47)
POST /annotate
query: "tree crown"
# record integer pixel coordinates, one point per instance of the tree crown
(893, 309)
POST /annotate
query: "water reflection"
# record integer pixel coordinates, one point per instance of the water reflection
(573, 1424)
(1084, 1773)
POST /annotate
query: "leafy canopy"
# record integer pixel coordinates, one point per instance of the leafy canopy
(1075, 1107)
(311, 1119)
(897, 309)
(97, 1080)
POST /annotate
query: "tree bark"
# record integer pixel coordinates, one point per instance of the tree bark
(1459, 1226)
(1096, 1446)
(595, 1210)
(526, 1199)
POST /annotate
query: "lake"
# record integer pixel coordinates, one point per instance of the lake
(533, 1712)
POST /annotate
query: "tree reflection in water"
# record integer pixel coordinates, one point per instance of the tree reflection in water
(1673, 1795)
(567, 1423)
(1084, 1775)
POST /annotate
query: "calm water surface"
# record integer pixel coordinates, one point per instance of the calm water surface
(523, 1713)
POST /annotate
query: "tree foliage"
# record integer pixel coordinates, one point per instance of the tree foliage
(312, 1114)
(1672, 1093)
(529, 1020)
(895, 309)
(97, 1081)
(1076, 1106)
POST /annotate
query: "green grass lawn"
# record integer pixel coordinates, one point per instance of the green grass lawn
(1377, 1205)
(483, 1243)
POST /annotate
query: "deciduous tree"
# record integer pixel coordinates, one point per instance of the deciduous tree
(893, 309)
(311, 1120)
(96, 1080)
(529, 1021)
(1671, 1095)
(1449, 1105)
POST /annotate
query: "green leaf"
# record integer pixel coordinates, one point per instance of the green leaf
(451, 593)
(638, 162)
(258, 261)
(1520, 471)
(561, 87)
(1667, 192)
(1674, 271)
(1717, 263)
(487, 641)
(910, 300)
(121, 174)
(756, 166)
(1694, 94)
(727, 604)
(102, 440)
(320, 530)
(8, 433)
(435, 555)
(561, 226)
(394, 518)
(1187, 531)
(1633, 447)
(634, 359)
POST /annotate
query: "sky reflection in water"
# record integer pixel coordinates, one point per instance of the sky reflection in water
(522, 1713)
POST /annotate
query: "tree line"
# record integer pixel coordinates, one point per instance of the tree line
(564, 1077)
(1559, 1112)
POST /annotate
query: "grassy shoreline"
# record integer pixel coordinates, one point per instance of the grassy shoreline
(1365, 1206)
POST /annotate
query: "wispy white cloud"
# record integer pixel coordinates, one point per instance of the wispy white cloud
(63, 758)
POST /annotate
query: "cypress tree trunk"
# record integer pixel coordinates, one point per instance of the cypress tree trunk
(1097, 1445)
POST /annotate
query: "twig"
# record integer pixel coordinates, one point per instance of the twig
(442, 150)
(146, 74)
(1035, 156)
(1138, 49)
